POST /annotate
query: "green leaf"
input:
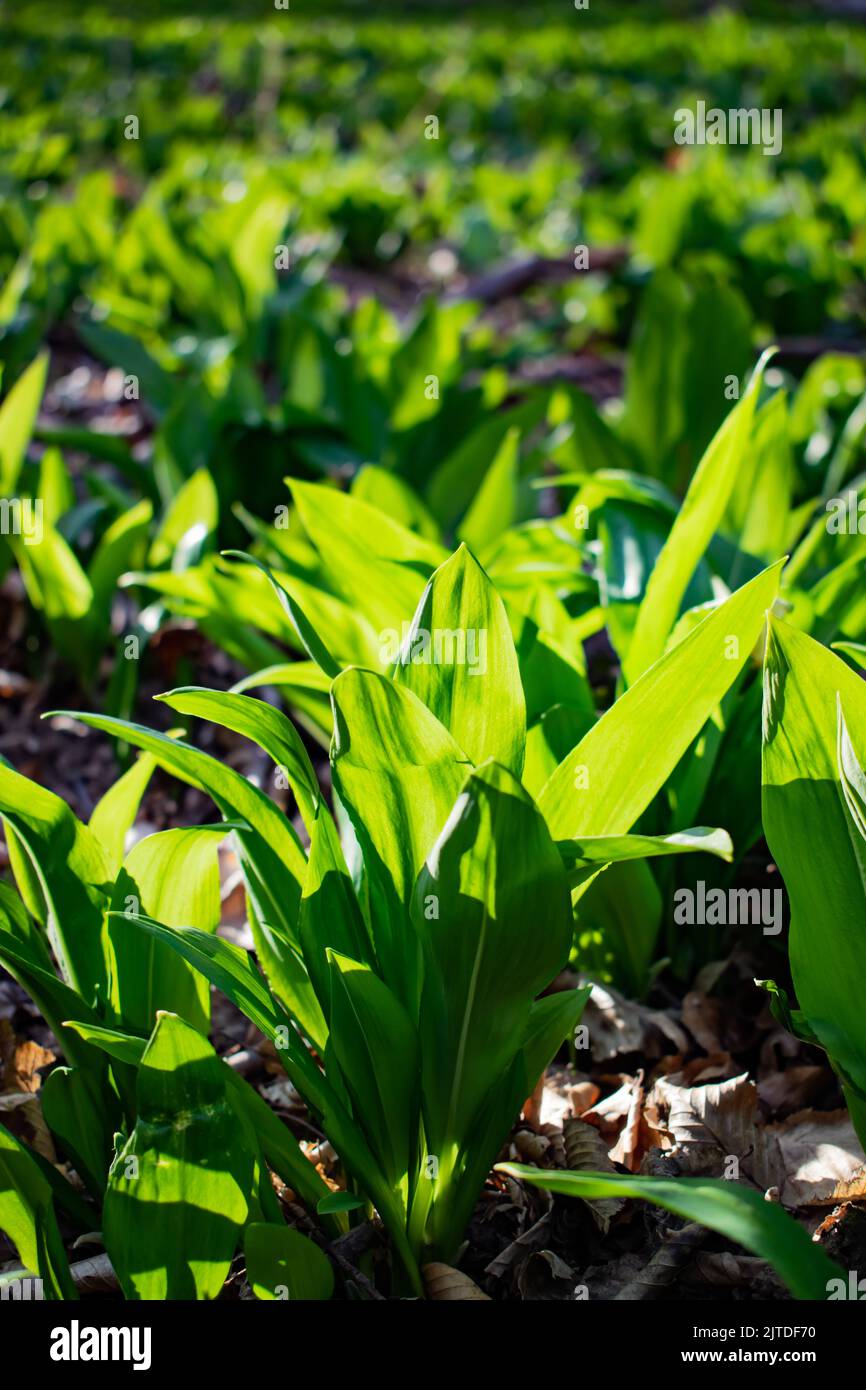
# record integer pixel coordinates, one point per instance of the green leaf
(376, 1049)
(493, 869)
(615, 771)
(17, 420)
(306, 632)
(115, 812)
(283, 1264)
(231, 970)
(391, 494)
(278, 1144)
(270, 853)
(27, 1218)
(178, 1191)
(371, 561)
(700, 515)
(737, 1213)
(813, 800)
(189, 523)
(55, 1000)
(552, 1019)
(855, 651)
(496, 504)
(458, 657)
(339, 1201)
(172, 876)
(610, 849)
(330, 912)
(397, 772)
(62, 876)
(78, 1112)
(266, 726)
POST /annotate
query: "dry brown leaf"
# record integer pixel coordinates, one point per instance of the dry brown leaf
(586, 1152)
(545, 1276)
(610, 1114)
(627, 1149)
(521, 1248)
(619, 1025)
(821, 1154)
(706, 1125)
(702, 1015)
(530, 1147)
(446, 1284)
(657, 1276)
(795, 1088)
(583, 1096)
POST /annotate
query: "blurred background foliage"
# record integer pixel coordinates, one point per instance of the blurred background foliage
(555, 129)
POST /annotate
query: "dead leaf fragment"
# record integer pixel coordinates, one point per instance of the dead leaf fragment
(448, 1285)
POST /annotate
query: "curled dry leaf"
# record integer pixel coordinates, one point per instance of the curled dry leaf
(609, 1115)
(628, 1147)
(656, 1278)
(530, 1147)
(448, 1285)
(585, 1151)
(521, 1248)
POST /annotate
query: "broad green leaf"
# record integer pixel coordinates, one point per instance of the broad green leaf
(172, 876)
(62, 876)
(27, 1218)
(654, 403)
(701, 512)
(496, 504)
(493, 869)
(624, 904)
(338, 1202)
(17, 420)
(370, 560)
(55, 1000)
(266, 726)
(736, 1212)
(305, 630)
(610, 849)
(391, 494)
(19, 928)
(277, 1141)
(120, 549)
(55, 486)
(615, 771)
(283, 1264)
(114, 813)
(232, 970)
(78, 1110)
(813, 789)
(330, 912)
(271, 856)
(178, 1190)
(397, 771)
(552, 1019)
(190, 521)
(376, 1049)
(458, 657)
(855, 651)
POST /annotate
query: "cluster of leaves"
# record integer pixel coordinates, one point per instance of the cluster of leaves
(402, 989)
(330, 117)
